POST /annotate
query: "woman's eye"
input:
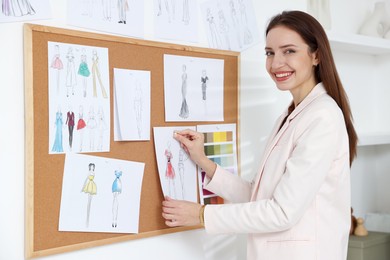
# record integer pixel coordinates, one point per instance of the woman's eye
(269, 53)
(289, 51)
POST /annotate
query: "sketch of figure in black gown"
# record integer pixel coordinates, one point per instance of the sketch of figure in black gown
(116, 191)
(204, 80)
(138, 107)
(184, 111)
(17, 8)
(70, 73)
(215, 40)
(70, 122)
(244, 22)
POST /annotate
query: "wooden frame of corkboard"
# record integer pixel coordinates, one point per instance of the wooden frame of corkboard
(44, 171)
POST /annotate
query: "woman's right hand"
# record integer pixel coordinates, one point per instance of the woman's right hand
(193, 143)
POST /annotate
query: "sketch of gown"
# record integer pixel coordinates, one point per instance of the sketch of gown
(138, 108)
(57, 146)
(182, 157)
(186, 12)
(90, 188)
(244, 21)
(70, 123)
(184, 111)
(91, 124)
(236, 23)
(170, 172)
(96, 74)
(70, 73)
(84, 72)
(214, 34)
(116, 190)
(224, 28)
(17, 8)
(204, 80)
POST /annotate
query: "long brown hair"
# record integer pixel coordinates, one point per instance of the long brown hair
(314, 35)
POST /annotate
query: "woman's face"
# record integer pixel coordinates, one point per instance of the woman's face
(289, 62)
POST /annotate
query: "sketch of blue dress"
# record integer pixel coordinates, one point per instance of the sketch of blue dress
(83, 67)
(57, 146)
(117, 184)
(17, 7)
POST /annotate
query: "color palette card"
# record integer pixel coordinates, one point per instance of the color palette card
(220, 147)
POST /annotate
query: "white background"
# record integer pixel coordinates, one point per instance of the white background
(365, 77)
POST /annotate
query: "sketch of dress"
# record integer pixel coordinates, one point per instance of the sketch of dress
(170, 172)
(90, 188)
(186, 12)
(182, 157)
(244, 21)
(81, 126)
(106, 10)
(102, 126)
(17, 8)
(96, 74)
(224, 28)
(70, 123)
(91, 124)
(70, 72)
(204, 80)
(84, 71)
(138, 108)
(56, 64)
(166, 7)
(57, 146)
(184, 110)
(214, 34)
(236, 23)
(116, 190)
(123, 7)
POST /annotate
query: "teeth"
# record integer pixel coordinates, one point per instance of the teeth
(283, 75)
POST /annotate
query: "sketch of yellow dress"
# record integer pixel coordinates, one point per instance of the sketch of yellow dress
(90, 185)
(96, 73)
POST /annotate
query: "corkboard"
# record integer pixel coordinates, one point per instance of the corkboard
(44, 171)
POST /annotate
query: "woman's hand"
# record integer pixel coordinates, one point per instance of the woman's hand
(180, 213)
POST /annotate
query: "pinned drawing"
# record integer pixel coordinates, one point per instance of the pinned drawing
(17, 8)
(116, 191)
(57, 146)
(24, 10)
(106, 199)
(186, 12)
(233, 28)
(132, 105)
(183, 73)
(177, 173)
(64, 92)
(89, 188)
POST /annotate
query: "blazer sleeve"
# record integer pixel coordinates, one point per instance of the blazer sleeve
(229, 186)
(318, 138)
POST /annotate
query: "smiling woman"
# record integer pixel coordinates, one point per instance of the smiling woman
(298, 205)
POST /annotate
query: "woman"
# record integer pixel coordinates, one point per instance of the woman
(298, 205)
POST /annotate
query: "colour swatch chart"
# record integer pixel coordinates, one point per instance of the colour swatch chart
(220, 147)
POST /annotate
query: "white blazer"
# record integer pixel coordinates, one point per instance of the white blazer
(298, 205)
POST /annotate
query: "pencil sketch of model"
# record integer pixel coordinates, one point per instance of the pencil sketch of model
(96, 75)
(123, 7)
(184, 110)
(166, 7)
(91, 124)
(224, 28)
(138, 107)
(84, 71)
(102, 126)
(90, 188)
(203, 80)
(70, 73)
(116, 190)
(236, 23)
(170, 172)
(186, 12)
(57, 146)
(81, 127)
(182, 157)
(17, 8)
(70, 123)
(214, 34)
(244, 22)
(106, 4)
(56, 64)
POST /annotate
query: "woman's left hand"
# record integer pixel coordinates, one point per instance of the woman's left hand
(180, 212)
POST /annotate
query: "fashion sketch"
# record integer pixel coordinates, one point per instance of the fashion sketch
(56, 64)
(92, 125)
(204, 80)
(235, 22)
(224, 28)
(170, 9)
(215, 38)
(186, 12)
(138, 107)
(70, 123)
(90, 188)
(96, 75)
(106, 9)
(170, 172)
(244, 21)
(116, 190)
(123, 7)
(81, 127)
(57, 146)
(17, 8)
(102, 126)
(184, 111)
(70, 73)
(182, 157)
(84, 71)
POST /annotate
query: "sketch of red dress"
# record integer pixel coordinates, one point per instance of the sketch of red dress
(170, 171)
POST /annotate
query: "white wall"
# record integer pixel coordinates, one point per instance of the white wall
(260, 102)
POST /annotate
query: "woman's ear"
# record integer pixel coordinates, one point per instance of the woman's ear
(316, 59)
